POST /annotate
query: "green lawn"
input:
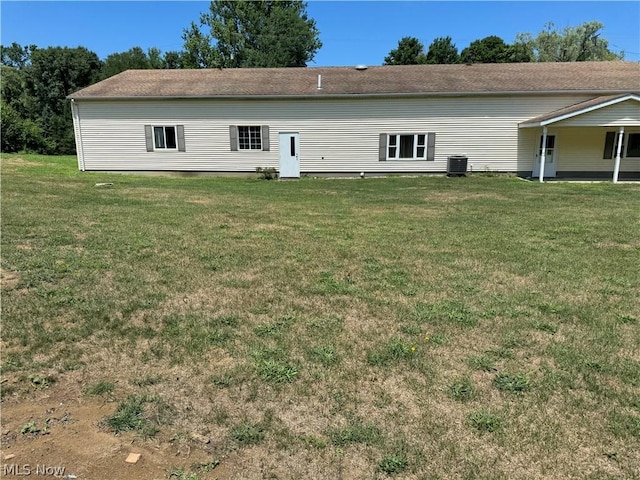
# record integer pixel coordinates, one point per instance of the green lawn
(432, 327)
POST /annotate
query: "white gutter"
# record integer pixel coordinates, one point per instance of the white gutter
(76, 123)
(616, 166)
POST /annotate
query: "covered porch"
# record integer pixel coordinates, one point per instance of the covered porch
(596, 139)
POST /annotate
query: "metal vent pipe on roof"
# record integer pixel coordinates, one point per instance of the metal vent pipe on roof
(319, 82)
(361, 67)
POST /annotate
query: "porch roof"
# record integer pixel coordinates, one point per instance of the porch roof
(578, 109)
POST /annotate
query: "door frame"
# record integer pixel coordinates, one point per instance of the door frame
(550, 168)
(289, 144)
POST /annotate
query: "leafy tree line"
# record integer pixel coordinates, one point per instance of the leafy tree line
(573, 44)
(36, 116)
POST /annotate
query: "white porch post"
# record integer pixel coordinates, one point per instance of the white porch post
(616, 165)
(543, 154)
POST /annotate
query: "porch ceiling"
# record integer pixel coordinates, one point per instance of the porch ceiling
(578, 109)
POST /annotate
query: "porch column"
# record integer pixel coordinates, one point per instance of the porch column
(543, 154)
(616, 165)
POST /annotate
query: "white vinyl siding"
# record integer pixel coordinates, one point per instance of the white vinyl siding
(623, 114)
(336, 135)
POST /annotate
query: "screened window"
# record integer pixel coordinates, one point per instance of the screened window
(250, 138)
(407, 146)
(164, 138)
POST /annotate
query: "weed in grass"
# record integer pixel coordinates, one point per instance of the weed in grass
(393, 464)
(484, 421)
(182, 474)
(462, 389)
(129, 416)
(483, 363)
(325, 355)
(627, 319)
(248, 434)
(31, 428)
(276, 371)
(313, 441)
(100, 388)
(512, 383)
(356, 432)
(394, 350)
(41, 381)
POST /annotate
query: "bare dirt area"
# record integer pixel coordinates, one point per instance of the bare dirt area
(55, 433)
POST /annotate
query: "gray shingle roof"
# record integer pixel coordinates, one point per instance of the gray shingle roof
(601, 77)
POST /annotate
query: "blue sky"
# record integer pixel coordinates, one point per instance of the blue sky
(352, 32)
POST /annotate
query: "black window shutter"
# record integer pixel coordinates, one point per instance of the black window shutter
(431, 146)
(233, 137)
(180, 132)
(148, 136)
(382, 149)
(265, 138)
(609, 140)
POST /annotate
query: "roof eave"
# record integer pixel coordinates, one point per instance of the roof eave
(350, 95)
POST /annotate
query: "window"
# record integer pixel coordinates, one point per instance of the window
(407, 146)
(249, 138)
(633, 145)
(164, 138)
(252, 137)
(630, 147)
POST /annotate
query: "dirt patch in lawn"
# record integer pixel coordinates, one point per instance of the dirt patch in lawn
(58, 432)
(8, 280)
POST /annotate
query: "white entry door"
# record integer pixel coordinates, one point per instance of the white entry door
(289, 155)
(550, 158)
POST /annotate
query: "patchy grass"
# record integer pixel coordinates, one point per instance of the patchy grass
(334, 329)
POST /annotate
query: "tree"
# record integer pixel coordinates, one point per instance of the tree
(264, 33)
(410, 51)
(442, 51)
(134, 58)
(54, 73)
(490, 49)
(15, 55)
(574, 44)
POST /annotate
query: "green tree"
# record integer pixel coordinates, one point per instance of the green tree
(134, 58)
(491, 49)
(442, 51)
(54, 73)
(410, 51)
(573, 44)
(15, 55)
(243, 33)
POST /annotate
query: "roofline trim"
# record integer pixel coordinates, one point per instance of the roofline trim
(582, 111)
(353, 95)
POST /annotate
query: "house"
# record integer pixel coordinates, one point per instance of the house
(378, 120)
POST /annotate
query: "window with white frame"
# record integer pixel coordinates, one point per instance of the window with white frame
(164, 138)
(250, 138)
(407, 146)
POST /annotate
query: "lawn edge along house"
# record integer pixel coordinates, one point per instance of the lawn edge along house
(378, 120)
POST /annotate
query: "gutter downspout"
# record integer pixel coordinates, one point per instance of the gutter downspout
(543, 154)
(76, 123)
(616, 165)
